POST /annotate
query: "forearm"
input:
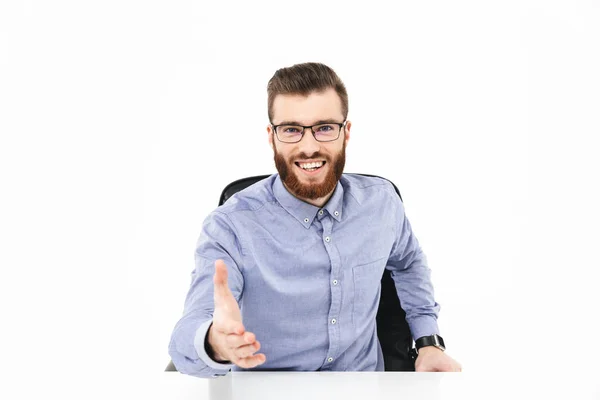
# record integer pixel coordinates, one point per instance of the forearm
(416, 294)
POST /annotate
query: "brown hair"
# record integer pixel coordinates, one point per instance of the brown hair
(303, 79)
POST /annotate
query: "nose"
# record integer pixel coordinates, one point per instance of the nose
(308, 144)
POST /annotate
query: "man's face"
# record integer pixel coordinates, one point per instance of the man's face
(309, 110)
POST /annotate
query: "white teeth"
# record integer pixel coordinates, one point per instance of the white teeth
(311, 165)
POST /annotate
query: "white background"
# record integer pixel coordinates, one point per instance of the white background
(121, 121)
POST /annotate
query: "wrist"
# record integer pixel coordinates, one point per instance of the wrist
(210, 348)
(434, 340)
(430, 349)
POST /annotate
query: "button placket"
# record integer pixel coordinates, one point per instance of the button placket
(336, 294)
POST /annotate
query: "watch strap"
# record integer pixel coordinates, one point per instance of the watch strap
(432, 340)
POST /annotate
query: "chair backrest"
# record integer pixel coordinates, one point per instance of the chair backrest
(392, 329)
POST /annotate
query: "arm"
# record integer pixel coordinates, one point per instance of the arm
(408, 266)
(218, 240)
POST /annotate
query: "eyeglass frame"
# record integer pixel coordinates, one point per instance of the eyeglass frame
(340, 124)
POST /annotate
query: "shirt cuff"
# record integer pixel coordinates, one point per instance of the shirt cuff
(199, 345)
(423, 326)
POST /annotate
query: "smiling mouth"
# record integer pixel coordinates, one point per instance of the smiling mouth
(311, 167)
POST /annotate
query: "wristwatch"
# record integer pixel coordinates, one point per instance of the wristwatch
(433, 340)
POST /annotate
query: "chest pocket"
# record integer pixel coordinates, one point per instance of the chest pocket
(367, 283)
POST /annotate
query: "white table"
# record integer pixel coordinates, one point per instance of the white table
(380, 385)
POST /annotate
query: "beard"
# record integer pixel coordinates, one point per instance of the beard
(289, 175)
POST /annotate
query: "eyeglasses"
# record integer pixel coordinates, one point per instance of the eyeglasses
(321, 132)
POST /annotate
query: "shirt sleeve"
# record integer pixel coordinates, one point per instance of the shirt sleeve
(218, 240)
(412, 278)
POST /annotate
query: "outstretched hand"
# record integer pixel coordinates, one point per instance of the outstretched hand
(227, 336)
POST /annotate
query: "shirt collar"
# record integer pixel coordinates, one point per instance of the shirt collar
(304, 212)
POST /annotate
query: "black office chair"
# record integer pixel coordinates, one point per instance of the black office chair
(392, 329)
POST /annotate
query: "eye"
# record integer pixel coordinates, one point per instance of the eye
(324, 128)
(290, 129)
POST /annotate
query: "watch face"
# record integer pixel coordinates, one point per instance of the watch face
(438, 341)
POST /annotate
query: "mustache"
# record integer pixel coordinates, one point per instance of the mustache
(303, 156)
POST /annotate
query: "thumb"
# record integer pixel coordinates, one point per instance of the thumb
(220, 281)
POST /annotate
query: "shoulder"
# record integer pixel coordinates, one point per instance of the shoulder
(362, 187)
(251, 198)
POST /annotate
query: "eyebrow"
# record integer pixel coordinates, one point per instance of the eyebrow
(322, 121)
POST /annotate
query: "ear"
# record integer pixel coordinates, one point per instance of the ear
(270, 136)
(347, 138)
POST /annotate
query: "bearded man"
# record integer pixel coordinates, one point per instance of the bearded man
(291, 266)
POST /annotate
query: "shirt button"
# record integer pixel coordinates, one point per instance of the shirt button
(333, 321)
(336, 213)
(335, 281)
(330, 359)
(305, 219)
(321, 212)
(327, 239)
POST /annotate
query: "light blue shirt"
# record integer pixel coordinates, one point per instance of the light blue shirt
(307, 279)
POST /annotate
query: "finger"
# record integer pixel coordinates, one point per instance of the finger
(234, 340)
(424, 368)
(252, 361)
(444, 367)
(449, 367)
(246, 350)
